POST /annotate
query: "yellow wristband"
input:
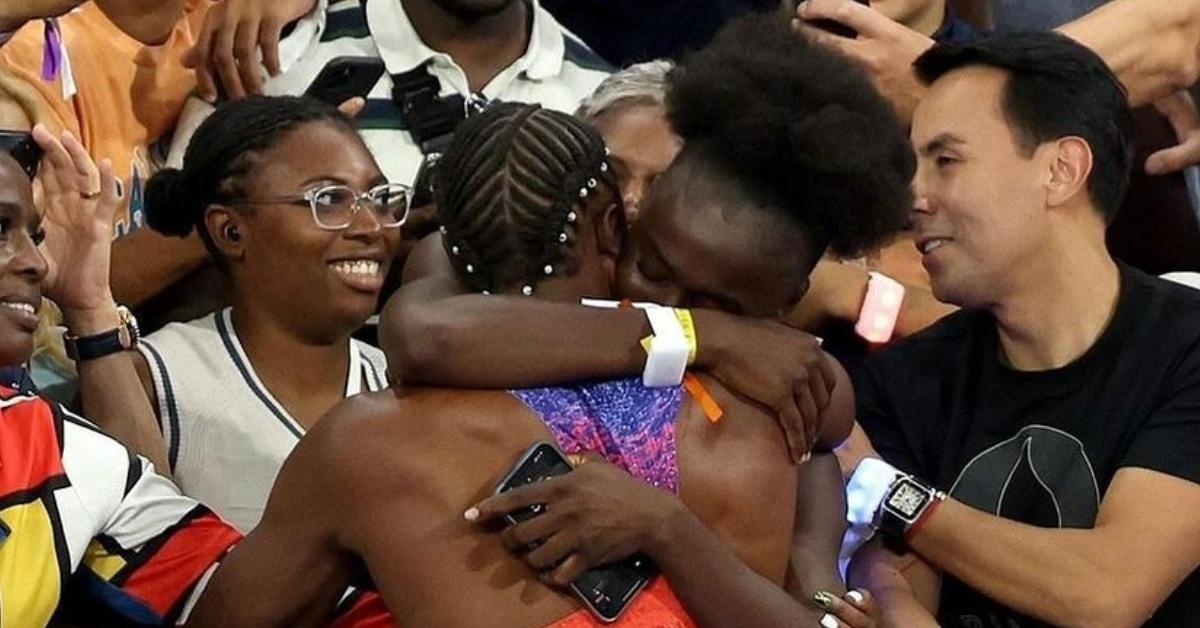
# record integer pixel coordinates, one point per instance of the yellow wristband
(689, 332)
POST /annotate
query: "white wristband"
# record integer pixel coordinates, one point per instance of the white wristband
(668, 356)
(866, 489)
(864, 493)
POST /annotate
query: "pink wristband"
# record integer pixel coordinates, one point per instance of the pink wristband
(880, 308)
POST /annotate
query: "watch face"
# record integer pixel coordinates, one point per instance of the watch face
(908, 499)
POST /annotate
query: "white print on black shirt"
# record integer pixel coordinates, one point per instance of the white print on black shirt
(997, 480)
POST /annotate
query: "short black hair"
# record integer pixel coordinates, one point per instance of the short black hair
(1056, 88)
(221, 153)
(798, 129)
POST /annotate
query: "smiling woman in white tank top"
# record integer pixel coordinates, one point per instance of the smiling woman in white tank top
(292, 206)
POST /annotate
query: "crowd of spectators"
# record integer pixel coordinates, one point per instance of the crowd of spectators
(823, 313)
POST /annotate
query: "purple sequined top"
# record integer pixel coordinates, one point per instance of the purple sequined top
(630, 425)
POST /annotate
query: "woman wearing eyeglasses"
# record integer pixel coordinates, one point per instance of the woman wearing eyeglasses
(291, 205)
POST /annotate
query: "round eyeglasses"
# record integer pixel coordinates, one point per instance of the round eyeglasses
(333, 206)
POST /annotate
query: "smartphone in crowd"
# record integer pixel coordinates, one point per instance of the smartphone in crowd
(606, 591)
(344, 78)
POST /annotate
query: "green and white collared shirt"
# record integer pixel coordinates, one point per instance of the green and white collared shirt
(557, 71)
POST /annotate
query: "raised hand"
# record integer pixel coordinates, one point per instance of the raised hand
(234, 33)
(79, 201)
(884, 48)
(1180, 111)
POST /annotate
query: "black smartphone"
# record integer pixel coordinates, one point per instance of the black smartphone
(607, 590)
(24, 150)
(837, 28)
(344, 78)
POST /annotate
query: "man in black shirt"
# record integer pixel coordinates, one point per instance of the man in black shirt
(1060, 409)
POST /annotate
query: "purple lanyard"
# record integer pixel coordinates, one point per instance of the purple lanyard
(52, 51)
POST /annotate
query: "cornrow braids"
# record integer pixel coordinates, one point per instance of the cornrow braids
(511, 189)
(220, 154)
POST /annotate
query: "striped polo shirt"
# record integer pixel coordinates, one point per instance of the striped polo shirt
(557, 71)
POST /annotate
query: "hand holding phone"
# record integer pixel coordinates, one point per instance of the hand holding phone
(344, 78)
(607, 590)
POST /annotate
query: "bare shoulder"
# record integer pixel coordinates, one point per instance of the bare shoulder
(378, 439)
(744, 423)
(838, 420)
(747, 442)
(736, 475)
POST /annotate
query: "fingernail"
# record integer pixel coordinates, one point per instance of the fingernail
(806, 457)
(829, 621)
(855, 597)
(824, 599)
(472, 514)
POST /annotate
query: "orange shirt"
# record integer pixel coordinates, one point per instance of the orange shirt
(129, 94)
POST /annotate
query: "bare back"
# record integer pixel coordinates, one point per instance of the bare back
(434, 568)
(383, 481)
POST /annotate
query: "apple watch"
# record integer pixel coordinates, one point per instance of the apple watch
(906, 503)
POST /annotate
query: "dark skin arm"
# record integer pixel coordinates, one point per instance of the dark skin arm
(820, 524)
(906, 588)
(438, 332)
(112, 396)
(435, 331)
(837, 292)
(134, 282)
(78, 251)
(292, 569)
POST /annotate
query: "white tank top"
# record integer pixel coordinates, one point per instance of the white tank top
(227, 435)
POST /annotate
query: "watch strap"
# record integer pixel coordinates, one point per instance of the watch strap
(121, 338)
(92, 347)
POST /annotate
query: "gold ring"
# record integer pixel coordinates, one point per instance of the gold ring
(87, 196)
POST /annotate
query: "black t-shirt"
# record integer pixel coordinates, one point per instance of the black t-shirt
(1041, 447)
